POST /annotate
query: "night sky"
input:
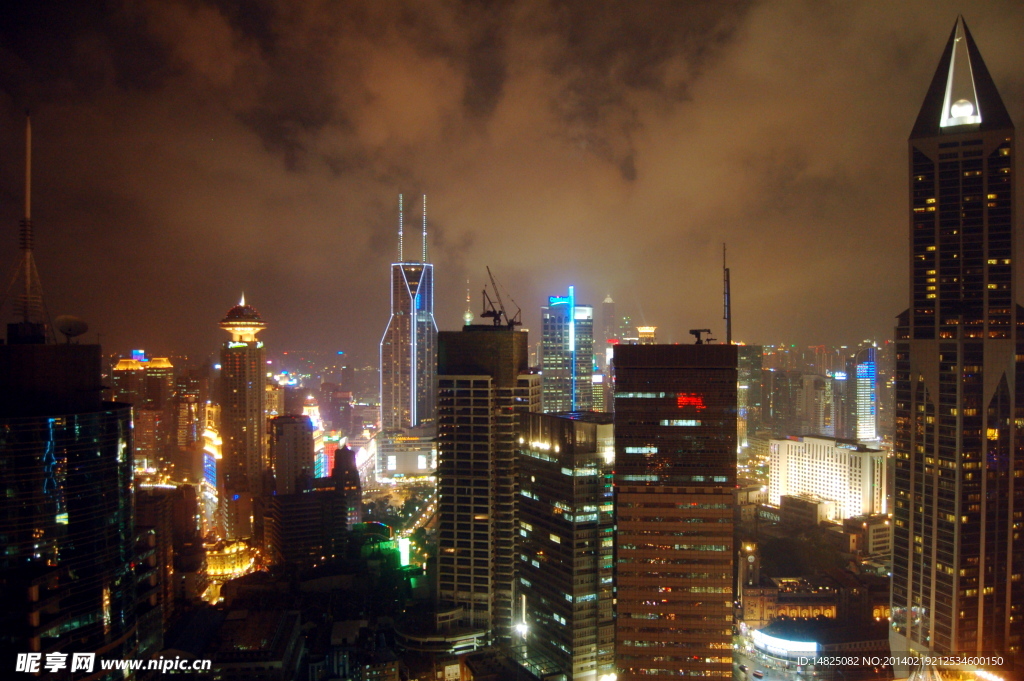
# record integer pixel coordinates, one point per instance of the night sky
(187, 151)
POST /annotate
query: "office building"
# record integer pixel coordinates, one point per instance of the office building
(189, 418)
(567, 530)
(748, 393)
(408, 350)
(865, 373)
(609, 331)
(128, 381)
(567, 353)
(958, 552)
(67, 535)
(851, 476)
(291, 452)
(484, 385)
(405, 457)
(243, 423)
(675, 472)
(781, 395)
(815, 408)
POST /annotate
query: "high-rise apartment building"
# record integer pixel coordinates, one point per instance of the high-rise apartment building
(567, 353)
(484, 385)
(408, 350)
(675, 472)
(958, 552)
(243, 424)
(567, 531)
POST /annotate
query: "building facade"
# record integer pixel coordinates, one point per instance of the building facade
(958, 554)
(484, 385)
(675, 473)
(567, 530)
(408, 350)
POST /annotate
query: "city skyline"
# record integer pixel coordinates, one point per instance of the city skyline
(212, 174)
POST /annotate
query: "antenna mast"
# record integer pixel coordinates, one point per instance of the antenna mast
(33, 325)
(424, 228)
(400, 256)
(728, 305)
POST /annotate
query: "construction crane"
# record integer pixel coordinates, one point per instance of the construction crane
(696, 334)
(498, 313)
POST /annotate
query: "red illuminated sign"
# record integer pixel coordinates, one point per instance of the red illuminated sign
(690, 400)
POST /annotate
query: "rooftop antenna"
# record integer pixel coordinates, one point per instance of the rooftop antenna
(424, 228)
(467, 316)
(33, 326)
(400, 258)
(728, 310)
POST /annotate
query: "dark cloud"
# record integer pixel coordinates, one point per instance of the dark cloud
(187, 150)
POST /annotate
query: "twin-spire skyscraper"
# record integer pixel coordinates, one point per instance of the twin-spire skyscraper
(408, 350)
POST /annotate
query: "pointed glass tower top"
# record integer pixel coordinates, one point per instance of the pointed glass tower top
(960, 106)
(962, 92)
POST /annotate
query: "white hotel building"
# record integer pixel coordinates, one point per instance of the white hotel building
(849, 474)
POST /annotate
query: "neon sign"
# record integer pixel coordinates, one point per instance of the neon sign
(690, 400)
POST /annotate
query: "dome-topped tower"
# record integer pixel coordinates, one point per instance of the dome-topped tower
(243, 322)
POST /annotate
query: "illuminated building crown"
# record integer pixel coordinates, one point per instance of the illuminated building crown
(243, 322)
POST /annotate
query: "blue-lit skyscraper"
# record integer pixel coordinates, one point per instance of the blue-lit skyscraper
(567, 354)
(867, 402)
(408, 350)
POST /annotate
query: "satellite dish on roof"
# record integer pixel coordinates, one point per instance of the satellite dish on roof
(71, 326)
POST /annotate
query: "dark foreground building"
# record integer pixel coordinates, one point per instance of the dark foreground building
(567, 530)
(958, 557)
(66, 518)
(675, 471)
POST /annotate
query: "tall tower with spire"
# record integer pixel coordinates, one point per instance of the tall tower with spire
(243, 423)
(32, 323)
(408, 350)
(958, 560)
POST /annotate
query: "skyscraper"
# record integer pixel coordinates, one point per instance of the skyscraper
(958, 553)
(408, 350)
(748, 395)
(675, 470)
(67, 530)
(483, 386)
(243, 424)
(291, 447)
(865, 372)
(567, 530)
(567, 353)
(67, 535)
